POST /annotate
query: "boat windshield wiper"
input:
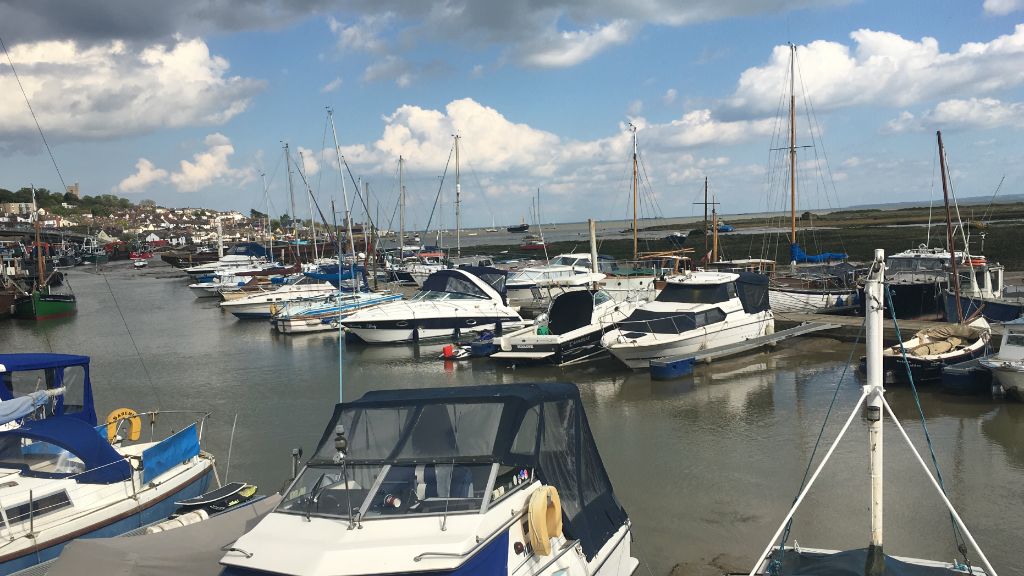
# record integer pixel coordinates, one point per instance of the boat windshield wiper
(314, 493)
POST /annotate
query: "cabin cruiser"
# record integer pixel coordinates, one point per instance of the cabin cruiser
(570, 332)
(478, 480)
(693, 312)
(532, 289)
(1007, 366)
(321, 314)
(916, 279)
(981, 291)
(64, 478)
(450, 302)
(266, 304)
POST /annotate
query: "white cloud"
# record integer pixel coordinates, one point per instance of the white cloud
(310, 163)
(145, 174)
(670, 96)
(569, 48)
(1002, 7)
(364, 36)
(111, 90)
(883, 68)
(955, 114)
(209, 167)
(635, 108)
(331, 86)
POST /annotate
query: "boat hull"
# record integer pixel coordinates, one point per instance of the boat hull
(6, 304)
(418, 329)
(924, 371)
(638, 355)
(993, 309)
(154, 512)
(39, 306)
(784, 300)
(1010, 376)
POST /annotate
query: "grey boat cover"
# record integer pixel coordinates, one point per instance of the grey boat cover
(193, 549)
(851, 563)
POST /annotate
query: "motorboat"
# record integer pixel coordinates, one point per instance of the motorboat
(932, 348)
(916, 279)
(532, 289)
(531, 242)
(570, 332)
(266, 304)
(321, 314)
(1007, 365)
(694, 311)
(451, 302)
(871, 409)
(66, 479)
(139, 263)
(466, 480)
(982, 291)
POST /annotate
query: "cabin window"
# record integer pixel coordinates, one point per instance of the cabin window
(730, 289)
(696, 293)
(446, 431)
(525, 442)
(38, 456)
(28, 381)
(74, 393)
(39, 507)
(708, 317)
(1015, 340)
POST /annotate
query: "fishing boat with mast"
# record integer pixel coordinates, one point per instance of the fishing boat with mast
(43, 302)
(779, 558)
(811, 282)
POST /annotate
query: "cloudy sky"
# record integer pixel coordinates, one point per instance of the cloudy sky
(188, 103)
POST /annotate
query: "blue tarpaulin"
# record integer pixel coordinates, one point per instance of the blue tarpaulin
(169, 453)
(798, 255)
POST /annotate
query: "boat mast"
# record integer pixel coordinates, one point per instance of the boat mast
(458, 201)
(401, 210)
(792, 143)
(344, 189)
(40, 266)
(949, 229)
(291, 198)
(705, 215)
(268, 230)
(874, 391)
(633, 129)
(714, 234)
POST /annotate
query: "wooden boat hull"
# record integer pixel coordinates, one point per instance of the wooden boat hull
(45, 306)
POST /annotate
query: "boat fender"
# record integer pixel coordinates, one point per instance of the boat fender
(193, 517)
(544, 518)
(448, 352)
(114, 420)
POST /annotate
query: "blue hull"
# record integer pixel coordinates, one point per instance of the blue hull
(252, 315)
(994, 310)
(155, 513)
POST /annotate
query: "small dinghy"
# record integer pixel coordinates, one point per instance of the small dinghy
(933, 348)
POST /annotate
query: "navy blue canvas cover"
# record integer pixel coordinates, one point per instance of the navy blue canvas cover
(56, 363)
(102, 463)
(851, 563)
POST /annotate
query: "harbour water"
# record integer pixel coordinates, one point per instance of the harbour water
(706, 466)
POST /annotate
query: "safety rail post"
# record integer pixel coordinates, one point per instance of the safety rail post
(31, 517)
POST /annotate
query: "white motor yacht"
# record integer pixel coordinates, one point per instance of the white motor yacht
(451, 302)
(481, 480)
(532, 289)
(693, 312)
(1007, 365)
(266, 304)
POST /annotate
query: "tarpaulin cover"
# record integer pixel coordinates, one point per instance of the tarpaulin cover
(10, 363)
(494, 277)
(850, 563)
(752, 289)
(571, 310)
(453, 281)
(195, 549)
(542, 426)
(798, 255)
(170, 452)
(102, 463)
(247, 249)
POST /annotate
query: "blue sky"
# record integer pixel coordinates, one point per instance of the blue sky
(187, 103)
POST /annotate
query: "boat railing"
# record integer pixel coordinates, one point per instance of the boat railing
(198, 417)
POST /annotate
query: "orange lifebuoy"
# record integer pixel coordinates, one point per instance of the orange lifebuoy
(114, 420)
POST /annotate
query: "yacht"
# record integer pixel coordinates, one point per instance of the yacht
(266, 304)
(468, 480)
(450, 302)
(66, 478)
(1007, 366)
(321, 314)
(693, 312)
(532, 289)
(570, 332)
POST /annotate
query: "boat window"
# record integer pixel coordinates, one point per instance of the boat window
(713, 316)
(600, 297)
(38, 507)
(1015, 340)
(452, 283)
(644, 321)
(525, 442)
(74, 389)
(453, 430)
(37, 456)
(372, 434)
(931, 264)
(27, 381)
(695, 293)
(730, 289)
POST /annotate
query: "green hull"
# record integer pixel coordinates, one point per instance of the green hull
(44, 306)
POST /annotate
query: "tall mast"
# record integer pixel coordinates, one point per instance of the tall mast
(40, 266)
(705, 214)
(268, 230)
(401, 210)
(874, 390)
(458, 202)
(309, 200)
(291, 197)
(633, 129)
(792, 143)
(344, 189)
(949, 230)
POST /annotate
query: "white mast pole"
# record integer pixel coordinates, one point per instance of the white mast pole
(344, 189)
(874, 391)
(458, 201)
(401, 211)
(309, 200)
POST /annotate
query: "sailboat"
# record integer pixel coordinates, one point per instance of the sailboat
(812, 282)
(42, 303)
(778, 559)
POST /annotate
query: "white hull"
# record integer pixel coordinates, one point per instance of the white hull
(397, 335)
(267, 304)
(639, 353)
(626, 289)
(1010, 375)
(794, 301)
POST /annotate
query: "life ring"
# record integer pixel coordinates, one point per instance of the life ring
(544, 518)
(978, 261)
(115, 418)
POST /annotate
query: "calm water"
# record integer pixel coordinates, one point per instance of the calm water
(705, 466)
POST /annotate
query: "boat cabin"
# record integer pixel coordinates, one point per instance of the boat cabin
(573, 310)
(466, 282)
(1011, 348)
(704, 293)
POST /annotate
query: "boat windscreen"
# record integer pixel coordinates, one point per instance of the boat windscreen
(697, 293)
(650, 322)
(452, 282)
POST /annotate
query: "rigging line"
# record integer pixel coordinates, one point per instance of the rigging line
(479, 187)
(149, 378)
(440, 187)
(961, 545)
(302, 175)
(33, 112)
(992, 200)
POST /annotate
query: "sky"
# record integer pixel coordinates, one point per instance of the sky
(190, 103)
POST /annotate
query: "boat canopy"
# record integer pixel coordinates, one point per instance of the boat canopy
(573, 309)
(22, 374)
(752, 290)
(541, 426)
(806, 562)
(494, 277)
(247, 249)
(452, 281)
(35, 441)
(798, 255)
